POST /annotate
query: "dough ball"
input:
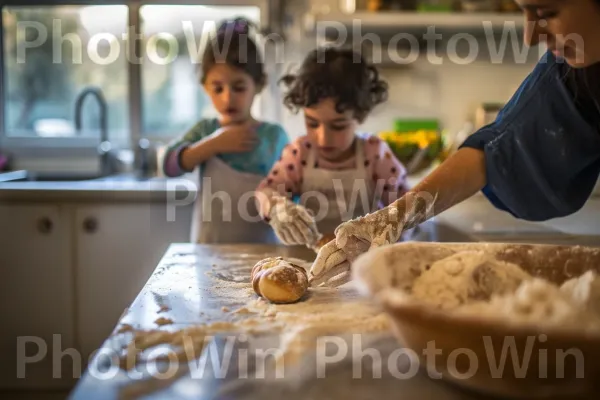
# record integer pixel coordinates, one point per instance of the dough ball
(464, 277)
(279, 281)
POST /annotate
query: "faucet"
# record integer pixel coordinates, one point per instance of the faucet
(105, 146)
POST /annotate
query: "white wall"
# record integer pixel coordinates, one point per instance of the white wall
(450, 92)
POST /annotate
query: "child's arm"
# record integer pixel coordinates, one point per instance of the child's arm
(172, 165)
(285, 178)
(387, 171)
(201, 143)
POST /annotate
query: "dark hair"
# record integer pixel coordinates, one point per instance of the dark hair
(232, 46)
(341, 74)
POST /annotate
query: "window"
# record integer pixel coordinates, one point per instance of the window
(51, 55)
(53, 52)
(172, 97)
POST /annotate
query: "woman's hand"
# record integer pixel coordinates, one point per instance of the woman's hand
(332, 265)
(355, 237)
(458, 178)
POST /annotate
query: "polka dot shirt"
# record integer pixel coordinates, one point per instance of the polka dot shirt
(381, 164)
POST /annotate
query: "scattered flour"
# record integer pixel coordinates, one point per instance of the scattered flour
(324, 311)
(163, 321)
(164, 308)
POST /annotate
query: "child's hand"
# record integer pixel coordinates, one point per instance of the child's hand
(292, 223)
(235, 138)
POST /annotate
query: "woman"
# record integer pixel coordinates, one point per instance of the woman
(539, 160)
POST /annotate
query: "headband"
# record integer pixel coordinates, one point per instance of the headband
(236, 25)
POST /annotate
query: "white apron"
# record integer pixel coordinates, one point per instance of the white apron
(333, 205)
(338, 196)
(225, 210)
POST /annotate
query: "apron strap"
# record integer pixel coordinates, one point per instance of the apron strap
(310, 161)
(360, 154)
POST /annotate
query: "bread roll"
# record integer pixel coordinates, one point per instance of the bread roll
(279, 281)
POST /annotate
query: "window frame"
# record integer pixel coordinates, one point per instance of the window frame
(79, 146)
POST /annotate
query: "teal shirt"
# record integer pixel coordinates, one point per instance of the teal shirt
(272, 140)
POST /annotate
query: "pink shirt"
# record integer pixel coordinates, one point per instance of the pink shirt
(380, 162)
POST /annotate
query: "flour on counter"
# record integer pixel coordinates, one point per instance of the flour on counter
(324, 311)
(163, 321)
(164, 308)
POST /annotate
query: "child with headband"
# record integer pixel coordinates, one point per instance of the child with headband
(234, 151)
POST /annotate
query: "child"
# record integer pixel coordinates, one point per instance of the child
(235, 151)
(338, 174)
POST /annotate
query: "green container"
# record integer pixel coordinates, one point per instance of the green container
(412, 125)
(434, 8)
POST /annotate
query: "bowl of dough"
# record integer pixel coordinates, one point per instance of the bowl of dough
(514, 320)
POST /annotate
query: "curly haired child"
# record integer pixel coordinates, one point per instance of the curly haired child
(336, 172)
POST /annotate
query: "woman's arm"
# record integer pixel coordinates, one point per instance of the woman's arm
(458, 178)
(461, 176)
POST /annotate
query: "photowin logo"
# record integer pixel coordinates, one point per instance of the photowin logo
(240, 356)
(401, 48)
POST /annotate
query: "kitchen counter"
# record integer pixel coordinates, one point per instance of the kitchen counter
(475, 216)
(182, 284)
(185, 289)
(479, 219)
(123, 188)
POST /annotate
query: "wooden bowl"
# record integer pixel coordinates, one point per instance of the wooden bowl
(562, 362)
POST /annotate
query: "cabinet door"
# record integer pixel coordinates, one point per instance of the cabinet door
(118, 248)
(37, 296)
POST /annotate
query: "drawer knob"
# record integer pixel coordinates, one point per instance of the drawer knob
(45, 225)
(90, 225)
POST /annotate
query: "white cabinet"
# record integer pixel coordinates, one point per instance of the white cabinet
(118, 248)
(36, 295)
(68, 273)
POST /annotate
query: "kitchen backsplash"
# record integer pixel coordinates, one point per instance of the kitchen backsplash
(449, 92)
